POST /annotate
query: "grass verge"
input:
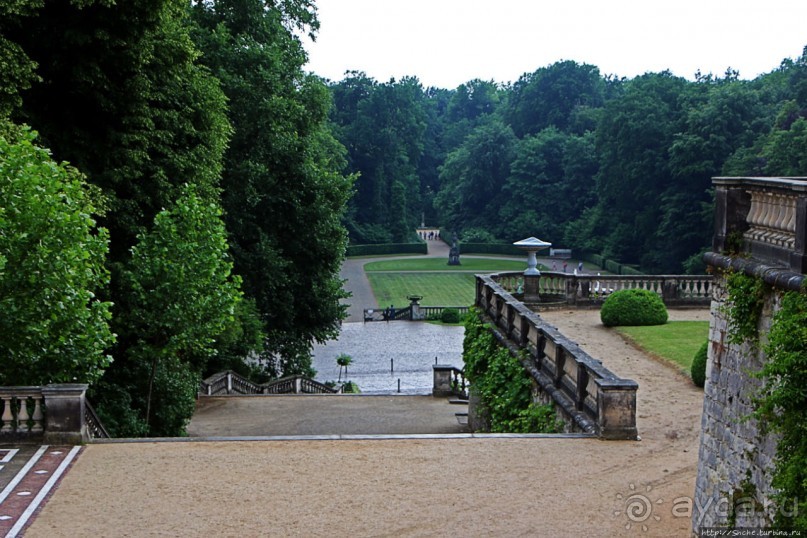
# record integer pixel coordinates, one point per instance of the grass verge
(675, 341)
(437, 289)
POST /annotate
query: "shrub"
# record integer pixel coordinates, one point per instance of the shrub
(633, 307)
(450, 315)
(387, 248)
(698, 369)
(505, 249)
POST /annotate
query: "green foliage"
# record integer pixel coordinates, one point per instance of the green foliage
(343, 361)
(391, 248)
(698, 371)
(450, 315)
(384, 124)
(633, 307)
(744, 302)
(183, 298)
(420, 263)
(54, 327)
(502, 384)
(613, 267)
(477, 235)
(782, 406)
(350, 387)
(505, 249)
(284, 193)
(473, 175)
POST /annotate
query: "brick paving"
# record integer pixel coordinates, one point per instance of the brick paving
(28, 476)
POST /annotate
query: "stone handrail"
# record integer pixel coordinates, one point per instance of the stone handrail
(229, 382)
(765, 217)
(591, 397)
(585, 289)
(53, 414)
(95, 428)
(449, 381)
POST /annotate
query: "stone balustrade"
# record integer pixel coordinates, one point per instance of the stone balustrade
(449, 381)
(763, 217)
(229, 382)
(583, 290)
(590, 397)
(53, 414)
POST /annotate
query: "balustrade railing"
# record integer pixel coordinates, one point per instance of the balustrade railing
(95, 428)
(571, 289)
(590, 395)
(449, 381)
(763, 217)
(54, 414)
(23, 411)
(229, 382)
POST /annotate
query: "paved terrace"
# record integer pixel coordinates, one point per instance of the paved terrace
(419, 486)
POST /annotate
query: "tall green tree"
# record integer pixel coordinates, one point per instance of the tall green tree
(283, 188)
(558, 95)
(120, 95)
(383, 128)
(55, 328)
(551, 183)
(473, 176)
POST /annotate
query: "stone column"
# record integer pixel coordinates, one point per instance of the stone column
(531, 283)
(64, 420)
(616, 404)
(442, 380)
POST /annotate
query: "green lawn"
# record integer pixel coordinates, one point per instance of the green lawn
(675, 341)
(441, 264)
(437, 289)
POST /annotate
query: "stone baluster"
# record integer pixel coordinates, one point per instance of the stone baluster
(582, 385)
(22, 414)
(38, 416)
(8, 416)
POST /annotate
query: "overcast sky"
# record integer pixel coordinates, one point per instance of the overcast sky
(447, 42)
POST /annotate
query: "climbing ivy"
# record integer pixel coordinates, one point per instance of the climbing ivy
(502, 384)
(746, 296)
(782, 405)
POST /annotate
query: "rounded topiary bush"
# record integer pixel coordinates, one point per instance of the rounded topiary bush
(698, 369)
(633, 307)
(450, 315)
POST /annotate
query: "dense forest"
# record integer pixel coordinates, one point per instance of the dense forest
(177, 191)
(614, 166)
(199, 220)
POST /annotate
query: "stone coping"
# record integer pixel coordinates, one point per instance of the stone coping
(778, 277)
(365, 437)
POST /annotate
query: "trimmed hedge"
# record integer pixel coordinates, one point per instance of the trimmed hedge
(613, 267)
(450, 315)
(698, 368)
(628, 270)
(387, 248)
(596, 259)
(490, 248)
(633, 307)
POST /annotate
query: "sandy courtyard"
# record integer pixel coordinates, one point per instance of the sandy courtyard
(418, 487)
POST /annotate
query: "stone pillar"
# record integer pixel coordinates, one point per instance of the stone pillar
(531, 288)
(64, 420)
(442, 380)
(616, 404)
